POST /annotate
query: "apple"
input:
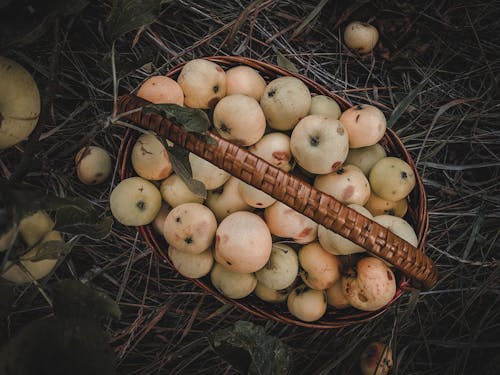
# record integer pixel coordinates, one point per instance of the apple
(239, 119)
(392, 179)
(399, 227)
(281, 269)
(365, 157)
(335, 296)
(378, 206)
(190, 227)
(232, 284)
(159, 220)
(325, 106)
(376, 359)
(150, 158)
(175, 192)
(203, 83)
(93, 165)
(348, 184)
(270, 295)
(191, 265)
(243, 242)
(365, 125)
(275, 149)
(288, 223)
(135, 201)
(319, 144)
(360, 36)
(245, 80)
(30, 270)
(320, 269)
(204, 171)
(254, 197)
(226, 200)
(161, 90)
(334, 243)
(307, 304)
(285, 101)
(19, 103)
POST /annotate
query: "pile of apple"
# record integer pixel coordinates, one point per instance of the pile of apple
(243, 238)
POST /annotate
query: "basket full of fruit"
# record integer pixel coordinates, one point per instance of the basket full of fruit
(310, 212)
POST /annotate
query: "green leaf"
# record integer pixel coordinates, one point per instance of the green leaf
(77, 215)
(179, 158)
(317, 9)
(75, 221)
(192, 119)
(284, 63)
(128, 15)
(58, 346)
(249, 349)
(73, 299)
(49, 250)
(404, 104)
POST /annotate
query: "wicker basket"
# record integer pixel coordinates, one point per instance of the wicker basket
(416, 270)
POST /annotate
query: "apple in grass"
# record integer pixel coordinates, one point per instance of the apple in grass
(243, 242)
(275, 149)
(239, 119)
(361, 36)
(319, 144)
(93, 165)
(285, 222)
(203, 83)
(285, 101)
(135, 201)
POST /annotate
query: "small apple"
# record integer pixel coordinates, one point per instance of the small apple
(376, 359)
(399, 227)
(361, 36)
(281, 269)
(232, 284)
(285, 101)
(348, 184)
(392, 179)
(288, 223)
(254, 197)
(203, 83)
(175, 192)
(245, 80)
(204, 171)
(307, 304)
(335, 296)
(161, 90)
(319, 144)
(378, 206)
(320, 269)
(271, 295)
(150, 158)
(325, 106)
(135, 201)
(226, 200)
(19, 103)
(365, 125)
(30, 270)
(365, 157)
(239, 119)
(275, 149)
(93, 165)
(243, 242)
(190, 227)
(191, 265)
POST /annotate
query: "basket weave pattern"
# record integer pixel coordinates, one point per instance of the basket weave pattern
(297, 194)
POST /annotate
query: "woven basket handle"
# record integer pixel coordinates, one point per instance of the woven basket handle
(292, 191)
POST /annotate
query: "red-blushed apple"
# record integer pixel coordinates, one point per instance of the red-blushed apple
(161, 90)
(245, 80)
(243, 242)
(190, 227)
(275, 149)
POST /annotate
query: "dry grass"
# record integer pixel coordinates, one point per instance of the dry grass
(440, 78)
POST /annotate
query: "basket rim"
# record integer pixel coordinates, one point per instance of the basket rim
(422, 207)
